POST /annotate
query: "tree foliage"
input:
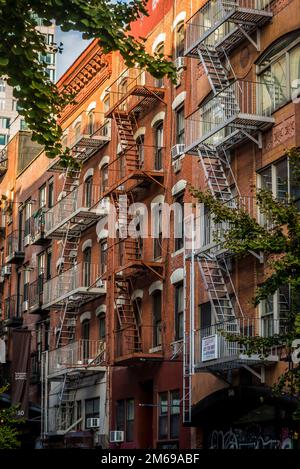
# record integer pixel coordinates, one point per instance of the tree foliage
(21, 47)
(9, 432)
(278, 239)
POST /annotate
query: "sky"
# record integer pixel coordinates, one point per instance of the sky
(73, 45)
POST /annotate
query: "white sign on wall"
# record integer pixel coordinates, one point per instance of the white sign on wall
(209, 348)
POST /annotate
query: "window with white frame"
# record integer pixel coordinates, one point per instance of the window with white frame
(274, 312)
(159, 51)
(2, 85)
(179, 311)
(279, 71)
(179, 40)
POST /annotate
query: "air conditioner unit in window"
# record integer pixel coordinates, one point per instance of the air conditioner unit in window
(177, 348)
(177, 150)
(92, 422)
(116, 436)
(179, 63)
(177, 166)
(6, 270)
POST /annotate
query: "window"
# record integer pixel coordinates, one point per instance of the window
(122, 163)
(104, 177)
(163, 416)
(14, 105)
(2, 86)
(179, 308)
(159, 134)
(85, 334)
(125, 418)
(77, 131)
(88, 192)
(42, 196)
(4, 122)
(26, 284)
(281, 179)
(159, 82)
(174, 414)
(123, 87)
(27, 213)
(140, 150)
(48, 264)
(50, 39)
(102, 326)
(50, 193)
(2, 104)
(41, 270)
(169, 415)
(179, 222)
(279, 71)
(103, 256)
(91, 122)
(179, 40)
(205, 315)
(106, 103)
(275, 310)
(157, 248)
(180, 125)
(3, 139)
(87, 255)
(23, 125)
(129, 419)
(92, 409)
(157, 303)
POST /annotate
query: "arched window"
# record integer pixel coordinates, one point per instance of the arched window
(91, 117)
(102, 326)
(103, 256)
(77, 131)
(159, 51)
(141, 150)
(85, 334)
(123, 87)
(156, 308)
(88, 192)
(104, 177)
(159, 133)
(179, 40)
(87, 257)
(157, 248)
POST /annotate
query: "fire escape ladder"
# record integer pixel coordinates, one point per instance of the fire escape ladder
(218, 293)
(127, 314)
(66, 402)
(213, 67)
(214, 172)
(67, 323)
(126, 138)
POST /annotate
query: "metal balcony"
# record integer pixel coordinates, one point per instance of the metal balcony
(232, 115)
(37, 228)
(130, 350)
(137, 167)
(214, 351)
(134, 91)
(79, 284)
(225, 24)
(15, 247)
(82, 355)
(3, 161)
(81, 207)
(12, 313)
(36, 295)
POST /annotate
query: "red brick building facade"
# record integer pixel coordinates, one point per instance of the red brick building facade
(119, 325)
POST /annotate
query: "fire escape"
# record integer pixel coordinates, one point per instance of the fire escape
(234, 112)
(133, 170)
(76, 283)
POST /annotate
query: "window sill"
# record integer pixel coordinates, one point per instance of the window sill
(155, 349)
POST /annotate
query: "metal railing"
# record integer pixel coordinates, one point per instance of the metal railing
(246, 98)
(13, 307)
(213, 234)
(98, 129)
(85, 196)
(77, 354)
(127, 341)
(15, 243)
(37, 223)
(212, 344)
(213, 14)
(36, 292)
(121, 91)
(80, 276)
